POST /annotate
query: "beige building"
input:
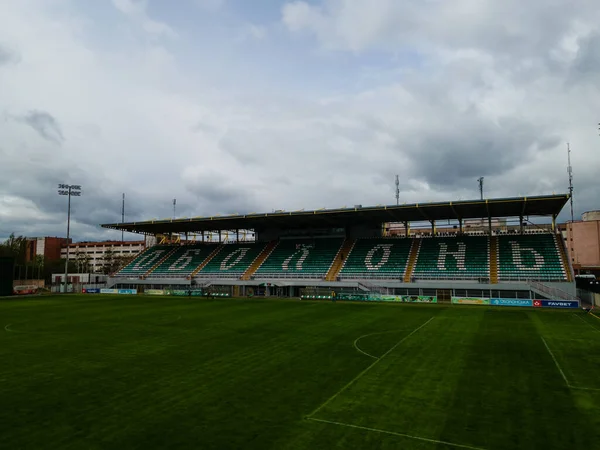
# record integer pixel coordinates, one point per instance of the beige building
(583, 243)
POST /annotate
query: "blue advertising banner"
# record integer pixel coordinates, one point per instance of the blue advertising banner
(127, 291)
(91, 291)
(511, 302)
(556, 303)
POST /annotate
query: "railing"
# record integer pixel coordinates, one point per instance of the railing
(372, 287)
(372, 276)
(231, 275)
(552, 291)
(295, 275)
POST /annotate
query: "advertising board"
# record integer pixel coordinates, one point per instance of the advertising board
(90, 291)
(470, 301)
(156, 292)
(109, 291)
(511, 302)
(556, 303)
(119, 291)
(25, 290)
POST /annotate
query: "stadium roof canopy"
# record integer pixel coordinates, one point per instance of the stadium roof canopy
(548, 205)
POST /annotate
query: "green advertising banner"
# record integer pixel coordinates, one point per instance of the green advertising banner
(156, 292)
(388, 298)
(470, 301)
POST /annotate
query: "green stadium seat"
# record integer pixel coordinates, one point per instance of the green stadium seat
(232, 260)
(382, 258)
(144, 261)
(460, 258)
(533, 257)
(183, 261)
(301, 258)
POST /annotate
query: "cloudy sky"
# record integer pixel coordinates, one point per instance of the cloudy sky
(240, 106)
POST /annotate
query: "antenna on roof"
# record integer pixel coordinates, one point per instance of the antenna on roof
(570, 172)
(480, 179)
(397, 190)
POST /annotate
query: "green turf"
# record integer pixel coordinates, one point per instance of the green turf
(101, 372)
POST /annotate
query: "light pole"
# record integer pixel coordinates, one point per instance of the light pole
(75, 191)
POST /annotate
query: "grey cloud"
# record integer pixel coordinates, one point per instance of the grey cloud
(7, 56)
(218, 195)
(45, 125)
(451, 157)
(587, 62)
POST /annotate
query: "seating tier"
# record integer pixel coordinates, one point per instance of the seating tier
(461, 257)
(145, 261)
(232, 260)
(377, 258)
(183, 261)
(303, 258)
(530, 257)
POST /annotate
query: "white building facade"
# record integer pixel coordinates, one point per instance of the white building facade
(95, 251)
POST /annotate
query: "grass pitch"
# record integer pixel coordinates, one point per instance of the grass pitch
(100, 372)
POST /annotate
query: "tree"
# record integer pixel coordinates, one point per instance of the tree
(112, 262)
(15, 247)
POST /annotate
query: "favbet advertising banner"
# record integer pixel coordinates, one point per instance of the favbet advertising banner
(511, 302)
(556, 303)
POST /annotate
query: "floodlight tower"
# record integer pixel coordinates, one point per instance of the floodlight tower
(570, 172)
(480, 179)
(75, 191)
(397, 190)
(122, 218)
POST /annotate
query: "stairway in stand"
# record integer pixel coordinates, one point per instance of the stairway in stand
(259, 260)
(494, 259)
(564, 257)
(206, 261)
(340, 259)
(412, 259)
(163, 259)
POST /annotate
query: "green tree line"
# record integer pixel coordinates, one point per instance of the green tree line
(42, 268)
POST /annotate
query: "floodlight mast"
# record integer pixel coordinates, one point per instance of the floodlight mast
(480, 179)
(397, 190)
(75, 191)
(570, 172)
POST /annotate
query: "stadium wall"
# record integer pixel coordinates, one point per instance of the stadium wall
(6, 276)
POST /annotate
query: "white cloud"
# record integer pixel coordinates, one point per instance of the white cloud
(136, 10)
(439, 99)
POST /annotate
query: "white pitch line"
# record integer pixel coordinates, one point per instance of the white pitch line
(367, 369)
(393, 433)
(367, 335)
(556, 362)
(587, 323)
(7, 328)
(585, 388)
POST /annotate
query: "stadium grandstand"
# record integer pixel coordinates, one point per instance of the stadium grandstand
(507, 253)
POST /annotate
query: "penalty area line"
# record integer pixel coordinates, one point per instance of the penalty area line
(393, 433)
(569, 385)
(556, 362)
(353, 380)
